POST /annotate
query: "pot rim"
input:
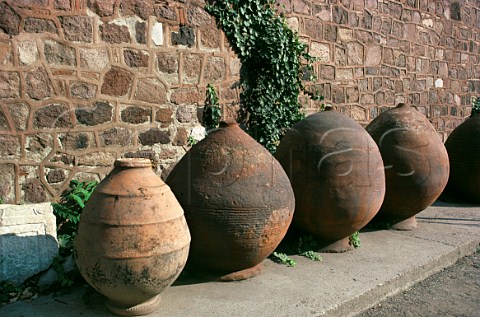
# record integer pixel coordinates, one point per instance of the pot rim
(133, 162)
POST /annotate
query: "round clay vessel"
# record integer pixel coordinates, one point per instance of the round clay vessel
(416, 164)
(337, 175)
(133, 239)
(463, 147)
(237, 199)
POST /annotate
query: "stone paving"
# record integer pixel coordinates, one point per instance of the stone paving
(341, 285)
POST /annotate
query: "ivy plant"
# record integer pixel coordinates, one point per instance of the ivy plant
(475, 106)
(274, 63)
(212, 112)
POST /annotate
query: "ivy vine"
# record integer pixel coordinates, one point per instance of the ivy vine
(475, 106)
(212, 112)
(274, 62)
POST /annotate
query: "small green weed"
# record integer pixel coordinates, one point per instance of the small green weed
(354, 240)
(306, 245)
(1, 200)
(283, 259)
(191, 141)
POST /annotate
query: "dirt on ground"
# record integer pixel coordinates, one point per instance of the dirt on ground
(455, 291)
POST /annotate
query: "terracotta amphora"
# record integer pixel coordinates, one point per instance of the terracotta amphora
(337, 175)
(416, 164)
(463, 147)
(238, 202)
(133, 239)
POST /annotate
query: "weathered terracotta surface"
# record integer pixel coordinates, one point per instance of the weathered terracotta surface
(416, 164)
(133, 239)
(237, 200)
(337, 175)
(463, 147)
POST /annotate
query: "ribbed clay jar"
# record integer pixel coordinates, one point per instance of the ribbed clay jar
(416, 164)
(133, 239)
(237, 199)
(337, 175)
(463, 147)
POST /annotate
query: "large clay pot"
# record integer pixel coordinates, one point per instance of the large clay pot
(133, 239)
(416, 164)
(463, 147)
(237, 199)
(337, 175)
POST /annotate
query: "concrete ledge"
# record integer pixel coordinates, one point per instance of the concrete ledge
(28, 240)
(342, 285)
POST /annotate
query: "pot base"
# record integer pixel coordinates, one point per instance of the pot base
(339, 246)
(408, 224)
(144, 308)
(243, 274)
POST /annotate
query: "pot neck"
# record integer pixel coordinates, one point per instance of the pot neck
(133, 163)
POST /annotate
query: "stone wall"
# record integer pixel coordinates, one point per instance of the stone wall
(375, 54)
(85, 82)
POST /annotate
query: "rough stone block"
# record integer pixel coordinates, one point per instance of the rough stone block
(78, 28)
(9, 147)
(7, 183)
(95, 159)
(136, 115)
(115, 34)
(151, 90)
(210, 38)
(102, 8)
(321, 51)
(63, 5)
(76, 141)
(134, 58)
(117, 82)
(116, 137)
(4, 126)
(99, 113)
(28, 240)
(93, 58)
(27, 52)
(184, 96)
(82, 90)
(58, 54)
(198, 16)
(215, 69)
(35, 25)
(39, 85)
(9, 19)
(164, 115)
(191, 68)
(34, 191)
(9, 85)
(140, 32)
(181, 137)
(38, 146)
(52, 116)
(154, 136)
(185, 36)
(157, 34)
